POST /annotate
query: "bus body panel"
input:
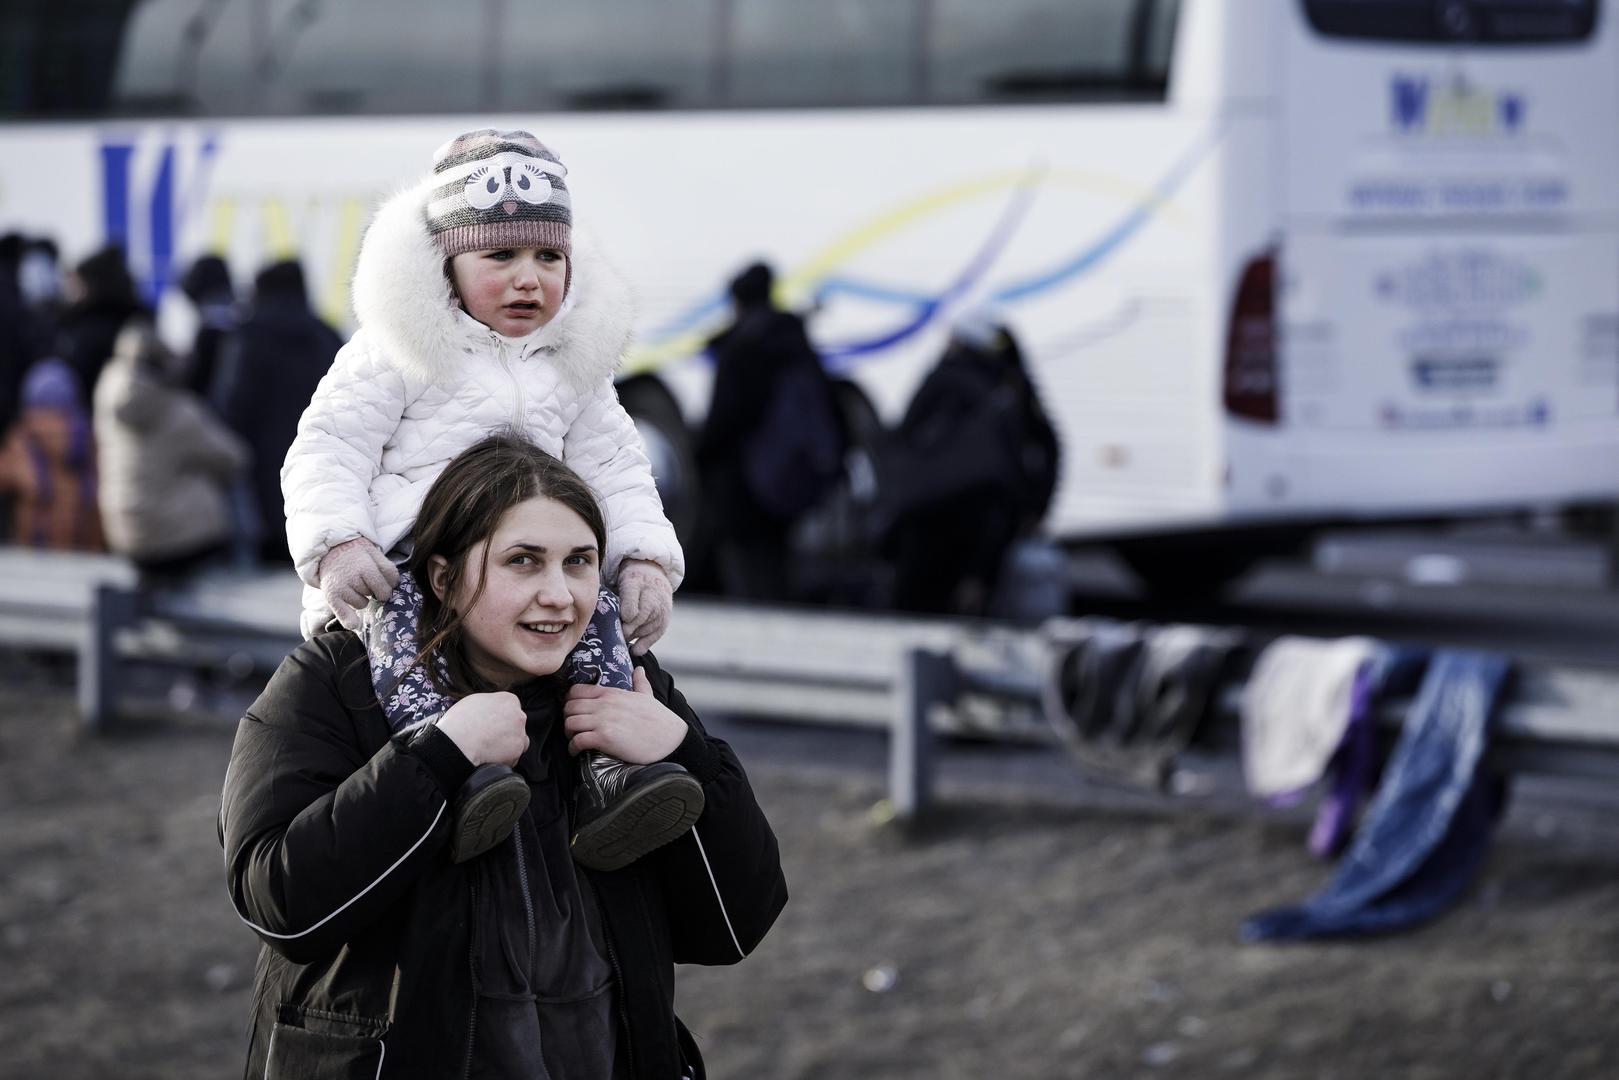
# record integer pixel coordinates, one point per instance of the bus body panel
(1430, 360)
(1398, 133)
(1449, 273)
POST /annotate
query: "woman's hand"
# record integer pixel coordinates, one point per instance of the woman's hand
(632, 725)
(487, 727)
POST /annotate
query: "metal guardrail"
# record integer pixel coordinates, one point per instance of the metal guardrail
(909, 676)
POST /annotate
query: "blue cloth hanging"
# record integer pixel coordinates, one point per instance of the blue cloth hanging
(1428, 827)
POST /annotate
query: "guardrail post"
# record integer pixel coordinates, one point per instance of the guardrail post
(926, 677)
(112, 608)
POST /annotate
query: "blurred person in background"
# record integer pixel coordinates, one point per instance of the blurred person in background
(101, 299)
(268, 371)
(48, 465)
(24, 336)
(397, 930)
(16, 351)
(23, 340)
(207, 285)
(773, 443)
(167, 462)
(973, 467)
(39, 277)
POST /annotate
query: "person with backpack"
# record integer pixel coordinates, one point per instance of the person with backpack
(972, 467)
(773, 444)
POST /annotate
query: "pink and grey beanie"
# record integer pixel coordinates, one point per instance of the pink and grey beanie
(498, 189)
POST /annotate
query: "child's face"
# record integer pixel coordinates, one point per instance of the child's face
(513, 291)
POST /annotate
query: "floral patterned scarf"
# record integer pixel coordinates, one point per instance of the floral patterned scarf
(409, 697)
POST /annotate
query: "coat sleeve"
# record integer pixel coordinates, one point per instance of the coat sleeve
(326, 478)
(604, 448)
(322, 834)
(722, 882)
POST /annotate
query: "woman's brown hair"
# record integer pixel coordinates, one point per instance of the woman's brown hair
(461, 512)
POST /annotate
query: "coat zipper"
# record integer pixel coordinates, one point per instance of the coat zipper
(528, 902)
(517, 384)
(472, 1016)
(618, 982)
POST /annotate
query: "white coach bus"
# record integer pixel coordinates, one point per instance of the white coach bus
(1274, 263)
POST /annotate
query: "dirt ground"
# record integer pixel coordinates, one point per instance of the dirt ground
(1011, 938)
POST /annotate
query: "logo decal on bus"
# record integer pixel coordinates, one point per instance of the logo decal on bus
(162, 201)
(148, 191)
(824, 276)
(1440, 107)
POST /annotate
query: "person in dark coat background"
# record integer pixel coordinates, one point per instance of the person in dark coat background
(102, 300)
(208, 286)
(758, 455)
(976, 466)
(39, 278)
(268, 372)
(27, 328)
(14, 351)
(24, 337)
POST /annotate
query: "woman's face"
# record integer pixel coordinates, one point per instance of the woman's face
(542, 573)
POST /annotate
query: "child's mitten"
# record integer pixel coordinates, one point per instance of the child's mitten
(351, 574)
(645, 600)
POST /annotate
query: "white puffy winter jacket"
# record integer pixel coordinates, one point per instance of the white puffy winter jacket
(421, 380)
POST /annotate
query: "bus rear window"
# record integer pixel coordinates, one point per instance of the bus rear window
(1482, 22)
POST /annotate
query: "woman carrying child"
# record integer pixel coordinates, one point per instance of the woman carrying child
(386, 955)
(482, 310)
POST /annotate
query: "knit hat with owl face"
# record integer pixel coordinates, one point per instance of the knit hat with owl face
(498, 189)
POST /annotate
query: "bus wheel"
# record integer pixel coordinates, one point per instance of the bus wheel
(670, 446)
(1186, 569)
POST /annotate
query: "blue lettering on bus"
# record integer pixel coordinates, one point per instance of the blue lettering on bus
(1410, 102)
(115, 191)
(161, 210)
(162, 228)
(1456, 108)
(1510, 110)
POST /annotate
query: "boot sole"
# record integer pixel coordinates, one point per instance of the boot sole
(644, 821)
(487, 817)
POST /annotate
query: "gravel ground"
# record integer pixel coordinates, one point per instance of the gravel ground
(1011, 937)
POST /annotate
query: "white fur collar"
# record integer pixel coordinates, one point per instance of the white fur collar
(403, 301)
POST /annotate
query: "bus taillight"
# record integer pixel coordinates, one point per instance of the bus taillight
(1250, 353)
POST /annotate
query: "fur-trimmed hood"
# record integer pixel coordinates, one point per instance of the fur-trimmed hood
(402, 300)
